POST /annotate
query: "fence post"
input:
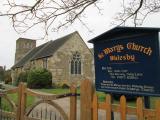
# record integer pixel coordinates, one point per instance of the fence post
(95, 107)
(109, 107)
(86, 91)
(139, 104)
(23, 100)
(73, 103)
(123, 107)
(158, 110)
(18, 115)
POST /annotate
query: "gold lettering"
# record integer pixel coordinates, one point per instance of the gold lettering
(140, 48)
(106, 51)
(100, 55)
(149, 52)
(119, 48)
(116, 48)
(145, 50)
(125, 57)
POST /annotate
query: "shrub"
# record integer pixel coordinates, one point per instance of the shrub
(2, 71)
(7, 77)
(22, 77)
(65, 86)
(39, 78)
(62, 84)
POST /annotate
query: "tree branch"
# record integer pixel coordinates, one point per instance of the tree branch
(53, 14)
(137, 11)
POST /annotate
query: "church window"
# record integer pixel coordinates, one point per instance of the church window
(75, 64)
(45, 63)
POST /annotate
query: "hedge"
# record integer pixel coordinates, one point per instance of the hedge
(39, 78)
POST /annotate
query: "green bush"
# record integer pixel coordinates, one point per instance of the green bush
(65, 86)
(61, 84)
(39, 78)
(21, 78)
(2, 71)
(7, 77)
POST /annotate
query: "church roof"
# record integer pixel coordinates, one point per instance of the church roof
(44, 50)
(51, 47)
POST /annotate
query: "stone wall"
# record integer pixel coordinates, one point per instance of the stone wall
(15, 73)
(59, 63)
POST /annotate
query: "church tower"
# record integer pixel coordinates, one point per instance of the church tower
(23, 45)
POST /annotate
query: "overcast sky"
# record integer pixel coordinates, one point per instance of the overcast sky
(96, 22)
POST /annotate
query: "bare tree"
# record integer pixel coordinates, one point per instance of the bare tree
(136, 11)
(54, 14)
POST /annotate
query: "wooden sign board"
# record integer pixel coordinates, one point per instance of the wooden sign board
(127, 61)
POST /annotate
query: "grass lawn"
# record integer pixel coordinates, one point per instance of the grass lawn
(54, 91)
(14, 97)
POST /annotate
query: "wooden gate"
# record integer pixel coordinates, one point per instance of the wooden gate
(44, 107)
(8, 109)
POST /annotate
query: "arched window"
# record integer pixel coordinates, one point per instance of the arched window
(76, 63)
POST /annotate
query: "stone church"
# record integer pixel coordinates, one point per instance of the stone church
(67, 58)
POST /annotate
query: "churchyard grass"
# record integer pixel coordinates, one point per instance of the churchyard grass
(54, 91)
(14, 98)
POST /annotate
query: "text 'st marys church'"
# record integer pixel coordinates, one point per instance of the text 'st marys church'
(67, 58)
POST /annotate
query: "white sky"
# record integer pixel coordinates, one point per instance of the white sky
(96, 22)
